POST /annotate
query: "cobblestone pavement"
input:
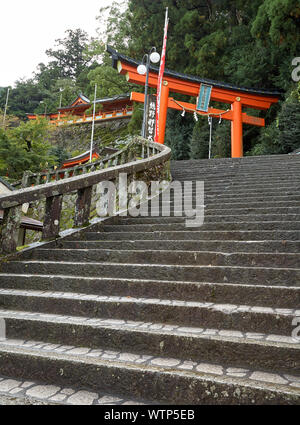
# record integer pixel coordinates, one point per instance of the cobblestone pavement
(34, 392)
(148, 360)
(228, 308)
(174, 329)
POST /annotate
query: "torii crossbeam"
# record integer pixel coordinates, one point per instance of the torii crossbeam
(237, 97)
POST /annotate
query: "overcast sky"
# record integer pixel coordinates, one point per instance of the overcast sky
(30, 27)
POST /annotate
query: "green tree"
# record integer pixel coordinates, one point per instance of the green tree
(178, 134)
(283, 134)
(23, 99)
(113, 30)
(70, 56)
(135, 124)
(25, 148)
(200, 140)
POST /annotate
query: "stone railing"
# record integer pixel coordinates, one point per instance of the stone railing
(145, 161)
(127, 154)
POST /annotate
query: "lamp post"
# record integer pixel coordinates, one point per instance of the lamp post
(5, 109)
(60, 102)
(143, 69)
(45, 107)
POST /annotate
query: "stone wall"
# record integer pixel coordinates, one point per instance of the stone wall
(78, 137)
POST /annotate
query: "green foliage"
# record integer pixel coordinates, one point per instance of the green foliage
(200, 140)
(24, 148)
(113, 30)
(108, 81)
(221, 140)
(283, 135)
(289, 126)
(220, 146)
(59, 154)
(23, 99)
(178, 133)
(69, 58)
(267, 141)
(135, 124)
(77, 152)
(277, 23)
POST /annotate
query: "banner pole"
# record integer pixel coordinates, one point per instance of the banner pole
(160, 77)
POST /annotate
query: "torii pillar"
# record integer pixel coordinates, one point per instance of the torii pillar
(163, 111)
(237, 130)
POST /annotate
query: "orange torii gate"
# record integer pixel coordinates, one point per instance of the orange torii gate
(237, 97)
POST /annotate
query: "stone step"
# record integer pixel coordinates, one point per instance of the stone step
(283, 202)
(199, 245)
(228, 209)
(21, 392)
(211, 188)
(156, 340)
(239, 175)
(213, 215)
(254, 275)
(236, 293)
(249, 198)
(232, 162)
(238, 185)
(266, 207)
(270, 160)
(235, 174)
(240, 194)
(232, 168)
(241, 225)
(173, 312)
(251, 190)
(161, 381)
(252, 259)
(254, 192)
(162, 213)
(243, 184)
(187, 235)
(233, 171)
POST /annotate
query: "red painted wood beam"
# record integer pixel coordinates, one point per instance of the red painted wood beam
(246, 119)
(192, 89)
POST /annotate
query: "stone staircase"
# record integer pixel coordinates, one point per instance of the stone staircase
(146, 310)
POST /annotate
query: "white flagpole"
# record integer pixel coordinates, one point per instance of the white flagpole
(93, 125)
(5, 110)
(160, 77)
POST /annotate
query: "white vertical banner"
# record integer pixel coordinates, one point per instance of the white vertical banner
(160, 76)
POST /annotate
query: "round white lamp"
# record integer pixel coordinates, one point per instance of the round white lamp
(141, 69)
(155, 57)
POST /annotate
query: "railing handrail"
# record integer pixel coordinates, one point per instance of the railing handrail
(71, 184)
(78, 168)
